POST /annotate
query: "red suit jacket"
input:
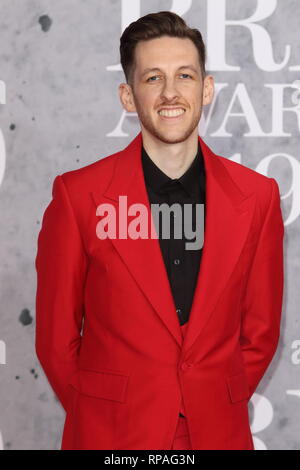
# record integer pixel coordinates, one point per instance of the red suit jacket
(107, 333)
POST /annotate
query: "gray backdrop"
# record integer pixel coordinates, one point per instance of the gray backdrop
(60, 110)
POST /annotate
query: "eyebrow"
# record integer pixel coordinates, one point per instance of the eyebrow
(157, 69)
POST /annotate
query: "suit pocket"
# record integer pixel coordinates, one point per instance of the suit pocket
(101, 384)
(238, 387)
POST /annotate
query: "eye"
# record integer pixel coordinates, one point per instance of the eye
(149, 79)
(155, 76)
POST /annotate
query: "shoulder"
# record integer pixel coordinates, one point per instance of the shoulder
(251, 181)
(94, 175)
(247, 178)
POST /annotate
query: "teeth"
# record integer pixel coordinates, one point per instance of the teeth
(171, 113)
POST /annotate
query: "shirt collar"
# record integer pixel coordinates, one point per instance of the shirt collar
(160, 182)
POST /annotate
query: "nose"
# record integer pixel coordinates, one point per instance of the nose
(169, 91)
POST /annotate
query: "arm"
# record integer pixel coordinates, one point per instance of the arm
(262, 301)
(61, 266)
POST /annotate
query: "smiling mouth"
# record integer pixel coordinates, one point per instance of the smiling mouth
(172, 114)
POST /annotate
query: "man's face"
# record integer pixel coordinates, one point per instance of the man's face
(173, 86)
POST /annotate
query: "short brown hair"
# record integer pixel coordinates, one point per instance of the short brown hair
(155, 25)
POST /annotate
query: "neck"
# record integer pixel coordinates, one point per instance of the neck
(172, 159)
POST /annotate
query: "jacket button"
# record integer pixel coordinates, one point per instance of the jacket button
(186, 365)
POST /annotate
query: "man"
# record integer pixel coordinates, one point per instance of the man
(148, 344)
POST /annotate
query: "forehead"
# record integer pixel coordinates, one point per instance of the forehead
(165, 51)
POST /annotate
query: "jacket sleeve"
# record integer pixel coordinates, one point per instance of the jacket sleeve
(61, 268)
(262, 300)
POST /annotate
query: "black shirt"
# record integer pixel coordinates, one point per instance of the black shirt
(182, 264)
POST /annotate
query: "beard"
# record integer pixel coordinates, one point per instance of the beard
(172, 136)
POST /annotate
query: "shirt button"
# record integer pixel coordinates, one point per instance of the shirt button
(179, 311)
(186, 365)
(176, 261)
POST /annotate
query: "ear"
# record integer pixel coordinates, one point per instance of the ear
(208, 89)
(126, 97)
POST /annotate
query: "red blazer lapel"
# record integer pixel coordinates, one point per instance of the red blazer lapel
(229, 213)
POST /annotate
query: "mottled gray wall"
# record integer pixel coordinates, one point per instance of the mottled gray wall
(60, 110)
